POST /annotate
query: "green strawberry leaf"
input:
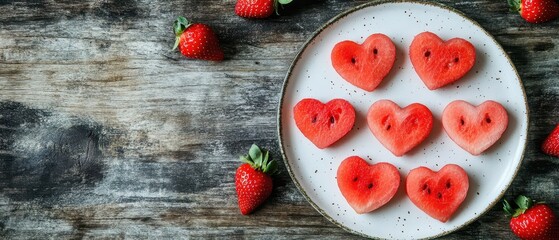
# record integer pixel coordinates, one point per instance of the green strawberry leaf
(514, 5)
(283, 2)
(246, 159)
(265, 160)
(260, 160)
(508, 209)
(524, 202)
(177, 41)
(256, 155)
(271, 168)
(179, 26)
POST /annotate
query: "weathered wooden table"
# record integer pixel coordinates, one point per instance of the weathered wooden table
(106, 133)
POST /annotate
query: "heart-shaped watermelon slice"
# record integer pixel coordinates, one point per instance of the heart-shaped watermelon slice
(367, 187)
(475, 129)
(364, 65)
(324, 124)
(439, 63)
(439, 194)
(397, 129)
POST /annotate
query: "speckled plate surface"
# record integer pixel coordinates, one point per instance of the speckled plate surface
(312, 76)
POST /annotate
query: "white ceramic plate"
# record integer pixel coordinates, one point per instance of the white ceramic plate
(312, 76)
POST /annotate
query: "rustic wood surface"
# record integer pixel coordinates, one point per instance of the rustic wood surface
(106, 133)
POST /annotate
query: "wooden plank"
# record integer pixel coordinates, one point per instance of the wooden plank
(106, 133)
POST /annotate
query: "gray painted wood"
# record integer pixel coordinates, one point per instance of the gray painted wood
(106, 133)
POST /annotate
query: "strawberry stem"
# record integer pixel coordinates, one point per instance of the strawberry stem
(179, 26)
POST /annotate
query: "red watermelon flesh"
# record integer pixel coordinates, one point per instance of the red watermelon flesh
(367, 187)
(364, 65)
(324, 124)
(439, 63)
(475, 129)
(397, 129)
(439, 194)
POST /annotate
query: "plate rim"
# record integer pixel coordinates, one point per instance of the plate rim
(336, 18)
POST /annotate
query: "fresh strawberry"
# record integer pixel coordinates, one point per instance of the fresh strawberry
(532, 220)
(196, 40)
(535, 11)
(258, 8)
(551, 144)
(252, 179)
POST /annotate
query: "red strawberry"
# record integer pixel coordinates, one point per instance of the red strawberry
(551, 144)
(535, 11)
(532, 220)
(252, 179)
(258, 8)
(196, 40)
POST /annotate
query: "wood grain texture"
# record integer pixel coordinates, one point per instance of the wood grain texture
(106, 133)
